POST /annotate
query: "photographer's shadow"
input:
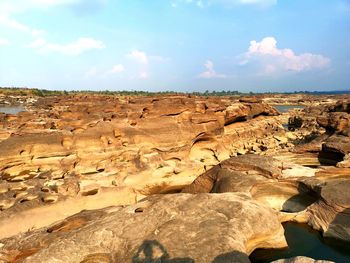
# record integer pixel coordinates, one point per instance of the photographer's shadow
(151, 251)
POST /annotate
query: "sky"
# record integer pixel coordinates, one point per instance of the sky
(178, 45)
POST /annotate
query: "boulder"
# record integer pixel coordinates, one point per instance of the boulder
(337, 144)
(237, 174)
(331, 214)
(334, 121)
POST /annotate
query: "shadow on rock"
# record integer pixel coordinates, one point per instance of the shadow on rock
(330, 158)
(151, 251)
(301, 201)
(232, 257)
(338, 234)
(297, 203)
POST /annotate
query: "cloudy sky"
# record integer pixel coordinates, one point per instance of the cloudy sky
(182, 45)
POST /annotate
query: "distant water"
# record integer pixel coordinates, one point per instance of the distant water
(285, 108)
(11, 110)
(303, 241)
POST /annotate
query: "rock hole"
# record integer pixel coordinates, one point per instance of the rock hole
(90, 192)
(139, 210)
(49, 200)
(330, 158)
(45, 189)
(235, 119)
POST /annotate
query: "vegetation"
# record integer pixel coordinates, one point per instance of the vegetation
(17, 91)
(14, 91)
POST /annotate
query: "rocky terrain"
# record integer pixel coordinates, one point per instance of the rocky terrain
(177, 178)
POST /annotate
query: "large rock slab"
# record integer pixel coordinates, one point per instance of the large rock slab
(237, 174)
(192, 228)
(331, 214)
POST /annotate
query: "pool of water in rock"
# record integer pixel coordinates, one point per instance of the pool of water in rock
(285, 108)
(304, 241)
(11, 110)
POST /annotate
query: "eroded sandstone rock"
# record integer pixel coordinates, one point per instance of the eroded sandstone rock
(77, 146)
(198, 228)
(73, 153)
(237, 174)
(331, 214)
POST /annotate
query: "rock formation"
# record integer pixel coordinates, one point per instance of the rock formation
(89, 178)
(195, 228)
(85, 151)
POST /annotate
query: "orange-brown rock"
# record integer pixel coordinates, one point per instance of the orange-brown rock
(89, 178)
(162, 228)
(237, 174)
(84, 148)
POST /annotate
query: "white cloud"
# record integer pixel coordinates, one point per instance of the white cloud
(11, 23)
(226, 3)
(16, 7)
(272, 59)
(8, 8)
(140, 56)
(255, 2)
(4, 42)
(20, 6)
(93, 72)
(158, 59)
(37, 32)
(11, 8)
(75, 48)
(52, 2)
(143, 75)
(6, 21)
(117, 69)
(199, 3)
(210, 72)
(38, 43)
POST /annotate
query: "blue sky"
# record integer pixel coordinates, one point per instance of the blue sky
(181, 45)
